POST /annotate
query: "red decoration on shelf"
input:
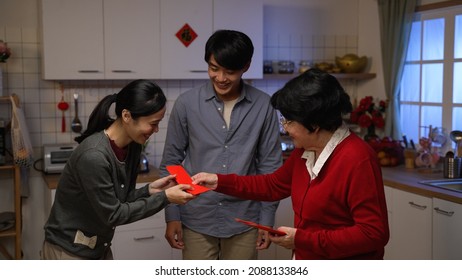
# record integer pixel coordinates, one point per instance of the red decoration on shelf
(186, 35)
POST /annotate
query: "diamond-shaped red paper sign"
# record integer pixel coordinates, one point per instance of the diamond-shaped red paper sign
(186, 35)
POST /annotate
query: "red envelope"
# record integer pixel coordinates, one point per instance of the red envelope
(255, 225)
(182, 177)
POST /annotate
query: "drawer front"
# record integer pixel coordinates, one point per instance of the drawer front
(146, 244)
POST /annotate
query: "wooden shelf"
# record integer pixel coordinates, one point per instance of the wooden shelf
(340, 76)
(8, 232)
(14, 232)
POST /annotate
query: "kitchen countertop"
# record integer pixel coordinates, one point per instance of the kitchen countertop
(152, 175)
(405, 179)
(397, 177)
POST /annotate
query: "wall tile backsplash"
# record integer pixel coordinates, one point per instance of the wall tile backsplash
(21, 75)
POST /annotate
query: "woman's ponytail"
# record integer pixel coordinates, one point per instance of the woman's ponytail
(139, 97)
(99, 118)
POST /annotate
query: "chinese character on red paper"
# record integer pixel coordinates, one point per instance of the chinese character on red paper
(186, 35)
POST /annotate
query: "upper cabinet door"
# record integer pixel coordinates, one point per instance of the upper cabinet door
(249, 21)
(132, 39)
(183, 56)
(202, 17)
(150, 39)
(72, 38)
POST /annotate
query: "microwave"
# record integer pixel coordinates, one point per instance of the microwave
(55, 156)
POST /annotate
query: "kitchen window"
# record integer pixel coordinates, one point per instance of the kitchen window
(431, 85)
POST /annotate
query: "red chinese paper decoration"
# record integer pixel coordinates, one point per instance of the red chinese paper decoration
(186, 35)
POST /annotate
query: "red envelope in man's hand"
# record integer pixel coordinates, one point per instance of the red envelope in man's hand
(182, 177)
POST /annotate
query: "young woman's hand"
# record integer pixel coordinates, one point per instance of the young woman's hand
(208, 180)
(178, 195)
(162, 184)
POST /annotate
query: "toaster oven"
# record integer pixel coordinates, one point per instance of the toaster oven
(55, 156)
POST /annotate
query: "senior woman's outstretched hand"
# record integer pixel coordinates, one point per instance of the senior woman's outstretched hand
(287, 241)
(208, 180)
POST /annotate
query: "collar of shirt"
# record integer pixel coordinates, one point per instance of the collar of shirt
(339, 135)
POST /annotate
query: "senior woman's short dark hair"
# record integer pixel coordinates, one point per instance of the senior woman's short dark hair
(314, 99)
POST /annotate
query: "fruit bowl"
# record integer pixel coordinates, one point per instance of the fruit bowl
(389, 151)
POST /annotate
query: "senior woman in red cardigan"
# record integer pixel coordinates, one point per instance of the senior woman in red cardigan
(333, 177)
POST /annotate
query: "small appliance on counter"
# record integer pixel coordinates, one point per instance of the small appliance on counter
(55, 156)
(144, 164)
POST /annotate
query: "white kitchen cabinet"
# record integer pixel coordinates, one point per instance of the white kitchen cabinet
(143, 240)
(132, 39)
(390, 250)
(447, 230)
(72, 39)
(100, 39)
(180, 61)
(410, 221)
(121, 39)
(422, 227)
(250, 22)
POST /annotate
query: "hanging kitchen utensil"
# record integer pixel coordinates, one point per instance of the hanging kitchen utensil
(76, 125)
(63, 106)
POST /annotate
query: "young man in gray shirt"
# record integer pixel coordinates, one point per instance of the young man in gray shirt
(224, 126)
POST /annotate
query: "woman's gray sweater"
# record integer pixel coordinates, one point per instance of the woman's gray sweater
(96, 192)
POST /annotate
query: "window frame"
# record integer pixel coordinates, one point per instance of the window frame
(449, 15)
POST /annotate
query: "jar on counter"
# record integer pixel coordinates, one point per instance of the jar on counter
(267, 67)
(304, 66)
(285, 67)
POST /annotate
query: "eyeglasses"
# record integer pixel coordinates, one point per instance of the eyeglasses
(284, 122)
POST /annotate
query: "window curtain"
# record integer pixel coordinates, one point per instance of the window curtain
(395, 27)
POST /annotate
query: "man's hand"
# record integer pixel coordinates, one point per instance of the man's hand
(263, 241)
(174, 235)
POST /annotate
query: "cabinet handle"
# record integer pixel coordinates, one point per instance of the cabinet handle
(423, 207)
(198, 71)
(143, 238)
(88, 71)
(447, 213)
(122, 71)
